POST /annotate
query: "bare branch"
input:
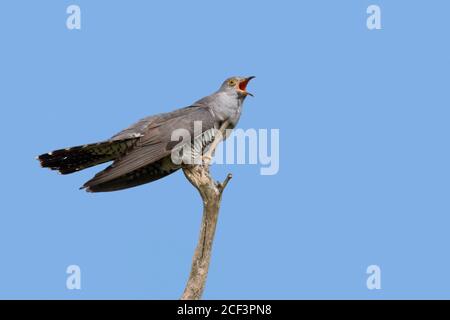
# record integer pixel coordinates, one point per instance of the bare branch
(224, 184)
(211, 193)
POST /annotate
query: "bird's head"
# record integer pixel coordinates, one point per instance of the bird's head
(237, 85)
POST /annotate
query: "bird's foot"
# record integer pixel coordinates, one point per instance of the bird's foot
(207, 159)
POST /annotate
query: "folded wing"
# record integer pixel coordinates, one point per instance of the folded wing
(149, 155)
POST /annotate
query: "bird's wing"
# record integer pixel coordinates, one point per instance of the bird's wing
(155, 142)
(136, 130)
(140, 128)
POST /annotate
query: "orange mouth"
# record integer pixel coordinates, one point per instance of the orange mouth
(243, 85)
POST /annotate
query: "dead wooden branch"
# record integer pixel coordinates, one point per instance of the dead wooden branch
(211, 192)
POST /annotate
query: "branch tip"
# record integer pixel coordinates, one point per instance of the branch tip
(224, 184)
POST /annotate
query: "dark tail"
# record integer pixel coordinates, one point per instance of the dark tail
(81, 157)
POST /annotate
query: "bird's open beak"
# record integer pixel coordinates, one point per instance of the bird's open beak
(243, 86)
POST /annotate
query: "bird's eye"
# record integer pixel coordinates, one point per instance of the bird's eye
(232, 83)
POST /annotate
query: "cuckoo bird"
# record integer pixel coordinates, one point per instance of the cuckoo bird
(143, 153)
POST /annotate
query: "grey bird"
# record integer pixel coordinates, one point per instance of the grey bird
(142, 153)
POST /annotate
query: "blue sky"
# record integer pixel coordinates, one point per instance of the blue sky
(363, 119)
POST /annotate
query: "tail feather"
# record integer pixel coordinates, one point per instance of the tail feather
(81, 157)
